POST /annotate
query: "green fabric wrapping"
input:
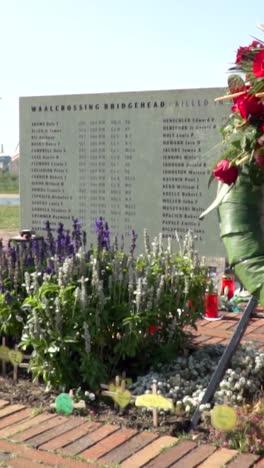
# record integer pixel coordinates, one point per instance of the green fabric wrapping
(241, 232)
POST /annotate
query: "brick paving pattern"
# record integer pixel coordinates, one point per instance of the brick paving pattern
(45, 440)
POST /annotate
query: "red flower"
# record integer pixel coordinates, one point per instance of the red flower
(248, 106)
(153, 328)
(258, 64)
(225, 173)
(244, 53)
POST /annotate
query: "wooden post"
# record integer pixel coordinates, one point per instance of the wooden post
(3, 361)
(155, 410)
(15, 370)
(123, 382)
(117, 384)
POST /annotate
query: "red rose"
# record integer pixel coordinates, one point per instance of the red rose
(244, 53)
(258, 64)
(225, 173)
(248, 105)
(152, 329)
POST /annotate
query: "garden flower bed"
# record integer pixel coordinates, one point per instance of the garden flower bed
(62, 288)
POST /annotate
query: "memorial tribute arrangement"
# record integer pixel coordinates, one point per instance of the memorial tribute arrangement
(240, 171)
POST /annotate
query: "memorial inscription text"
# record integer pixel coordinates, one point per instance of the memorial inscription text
(140, 160)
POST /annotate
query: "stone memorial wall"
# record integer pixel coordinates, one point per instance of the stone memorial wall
(140, 160)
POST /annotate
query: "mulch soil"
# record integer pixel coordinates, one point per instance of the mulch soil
(33, 395)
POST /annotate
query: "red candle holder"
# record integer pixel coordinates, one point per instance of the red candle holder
(211, 305)
(228, 282)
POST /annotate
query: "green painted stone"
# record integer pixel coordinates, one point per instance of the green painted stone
(223, 418)
(15, 357)
(4, 352)
(64, 404)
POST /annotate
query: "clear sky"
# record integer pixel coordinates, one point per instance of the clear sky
(93, 46)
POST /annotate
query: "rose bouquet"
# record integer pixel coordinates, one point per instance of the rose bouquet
(240, 171)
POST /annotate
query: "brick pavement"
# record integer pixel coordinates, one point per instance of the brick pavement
(45, 440)
(221, 331)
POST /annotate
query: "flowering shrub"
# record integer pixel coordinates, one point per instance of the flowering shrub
(184, 379)
(85, 313)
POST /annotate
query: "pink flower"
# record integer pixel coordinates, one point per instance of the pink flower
(226, 173)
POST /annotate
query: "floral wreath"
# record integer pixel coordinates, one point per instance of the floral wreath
(240, 171)
(243, 134)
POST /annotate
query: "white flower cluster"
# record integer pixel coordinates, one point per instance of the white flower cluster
(185, 380)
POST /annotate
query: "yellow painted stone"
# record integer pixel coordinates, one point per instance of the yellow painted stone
(112, 388)
(4, 353)
(154, 401)
(120, 396)
(223, 418)
(15, 357)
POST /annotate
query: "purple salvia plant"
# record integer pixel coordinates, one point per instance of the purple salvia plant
(60, 241)
(50, 267)
(58, 315)
(12, 254)
(67, 269)
(122, 243)
(36, 254)
(138, 294)
(84, 238)
(36, 325)
(146, 242)
(133, 242)
(83, 294)
(103, 234)
(160, 241)
(50, 244)
(155, 247)
(169, 248)
(76, 234)
(69, 246)
(16, 276)
(115, 244)
(27, 283)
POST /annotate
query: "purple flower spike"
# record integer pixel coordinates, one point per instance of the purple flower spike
(76, 234)
(133, 242)
(103, 234)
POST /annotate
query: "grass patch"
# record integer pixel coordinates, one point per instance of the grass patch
(9, 217)
(9, 183)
